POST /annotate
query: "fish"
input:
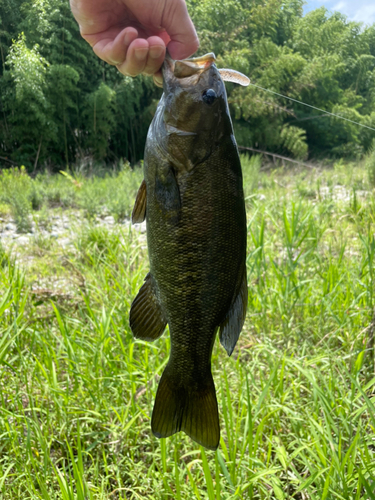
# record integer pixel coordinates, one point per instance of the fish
(193, 202)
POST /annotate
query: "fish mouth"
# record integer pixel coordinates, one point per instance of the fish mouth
(187, 71)
(196, 65)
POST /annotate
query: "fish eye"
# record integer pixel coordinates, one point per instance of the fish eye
(209, 96)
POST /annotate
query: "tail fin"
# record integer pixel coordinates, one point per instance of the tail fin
(191, 408)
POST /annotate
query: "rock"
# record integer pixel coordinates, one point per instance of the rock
(63, 242)
(22, 240)
(140, 227)
(109, 219)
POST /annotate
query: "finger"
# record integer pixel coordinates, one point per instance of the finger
(156, 55)
(136, 58)
(98, 16)
(113, 51)
(184, 39)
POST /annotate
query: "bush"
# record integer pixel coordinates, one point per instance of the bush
(57, 189)
(43, 219)
(4, 257)
(37, 195)
(15, 189)
(370, 165)
(90, 197)
(121, 192)
(250, 171)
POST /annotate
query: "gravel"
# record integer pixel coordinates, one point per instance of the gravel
(63, 228)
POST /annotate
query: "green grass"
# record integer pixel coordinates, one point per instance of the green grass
(296, 399)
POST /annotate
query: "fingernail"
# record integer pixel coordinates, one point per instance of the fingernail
(141, 53)
(158, 80)
(156, 52)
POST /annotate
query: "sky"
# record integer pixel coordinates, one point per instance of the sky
(356, 10)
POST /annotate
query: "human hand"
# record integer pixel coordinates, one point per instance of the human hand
(133, 34)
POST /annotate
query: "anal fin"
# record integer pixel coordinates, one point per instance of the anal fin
(146, 318)
(139, 210)
(231, 327)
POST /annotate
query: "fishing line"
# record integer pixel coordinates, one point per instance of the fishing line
(313, 107)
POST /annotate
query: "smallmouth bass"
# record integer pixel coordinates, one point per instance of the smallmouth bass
(192, 198)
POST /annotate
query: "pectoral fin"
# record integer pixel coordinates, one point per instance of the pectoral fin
(139, 210)
(231, 327)
(147, 320)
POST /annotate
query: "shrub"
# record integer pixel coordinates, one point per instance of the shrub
(4, 258)
(370, 165)
(121, 192)
(43, 219)
(58, 190)
(16, 187)
(90, 197)
(37, 195)
(250, 170)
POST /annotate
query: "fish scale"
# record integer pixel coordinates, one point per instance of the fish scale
(192, 199)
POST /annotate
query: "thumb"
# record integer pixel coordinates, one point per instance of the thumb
(180, 28)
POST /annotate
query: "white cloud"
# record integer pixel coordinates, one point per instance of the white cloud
(341, 6)
(366, 14)
(359, 10)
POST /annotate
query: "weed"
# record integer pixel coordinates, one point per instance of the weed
(250, 168)
(15, 187)
(305, 190)
(370, 166)
(37, 195)
(91, 198)
(59, 191)
(43, 219)
(121, 191)
(4, 209)
(355, 204)
(4, 257)
(296, 399)
(42, 243)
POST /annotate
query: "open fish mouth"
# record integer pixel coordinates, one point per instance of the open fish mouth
(188, 71)
(194, 66)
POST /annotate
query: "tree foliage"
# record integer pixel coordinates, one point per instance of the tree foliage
(59, 103)
(321, 59)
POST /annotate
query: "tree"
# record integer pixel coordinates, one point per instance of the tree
(28, 108)
(59, 103)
